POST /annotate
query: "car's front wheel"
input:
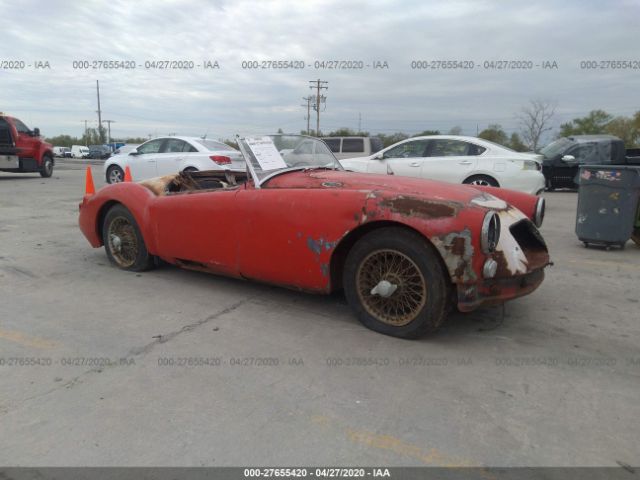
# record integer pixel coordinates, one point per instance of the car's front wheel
(396, 284)
(482, 180)
(123, 241)
(115, 174)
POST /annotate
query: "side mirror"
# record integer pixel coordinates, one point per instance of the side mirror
(378, 156)
(134, 152)
(568, 159)
(36, 132)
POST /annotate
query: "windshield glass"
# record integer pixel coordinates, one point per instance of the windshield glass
(555, 148)
(270, 155)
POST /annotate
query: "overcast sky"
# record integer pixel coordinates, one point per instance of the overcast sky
(231, 100)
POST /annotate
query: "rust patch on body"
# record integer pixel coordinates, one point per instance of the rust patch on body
(457, 252)
(417, 207)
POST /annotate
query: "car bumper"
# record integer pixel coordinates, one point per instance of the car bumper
(496, 291)
(528, 181)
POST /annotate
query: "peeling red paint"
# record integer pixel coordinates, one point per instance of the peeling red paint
(420, 207)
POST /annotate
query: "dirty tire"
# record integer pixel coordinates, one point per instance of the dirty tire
(47, 167)
(114, 174)
(483, 180)
(123, 241)
(420, 302)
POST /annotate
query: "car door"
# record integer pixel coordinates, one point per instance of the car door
(26, 143)
(171, 157)
(201, 229)
(405, 159)
(143, 161)
(450, 160)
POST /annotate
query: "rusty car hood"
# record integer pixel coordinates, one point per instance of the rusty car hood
(428, 189)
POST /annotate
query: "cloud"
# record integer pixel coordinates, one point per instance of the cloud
(235, 100)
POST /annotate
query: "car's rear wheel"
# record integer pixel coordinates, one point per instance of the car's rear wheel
(482, 180)
(47, 167)
(190, 169)
(123, 241)
(396, 284)
(115, 174)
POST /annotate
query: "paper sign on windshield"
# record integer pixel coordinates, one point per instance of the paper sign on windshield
(266, 153)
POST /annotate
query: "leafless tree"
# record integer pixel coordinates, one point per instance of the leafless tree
(535, 121)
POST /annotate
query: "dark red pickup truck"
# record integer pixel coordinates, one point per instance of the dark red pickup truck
(22, 149)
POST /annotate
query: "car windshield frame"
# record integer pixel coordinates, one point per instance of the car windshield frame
(274, 163)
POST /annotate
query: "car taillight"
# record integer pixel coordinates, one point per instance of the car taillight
(221, 159)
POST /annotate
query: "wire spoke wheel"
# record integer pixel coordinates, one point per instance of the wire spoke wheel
(122, 241)
(391, 287)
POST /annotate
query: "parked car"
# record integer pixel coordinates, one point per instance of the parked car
(165, 155)
(22, 149)
(404, 250)
(79, 151)
(456, 159)
(352, 147)
(100, 152)
(126, 148)
(61, 151)
(563, 157)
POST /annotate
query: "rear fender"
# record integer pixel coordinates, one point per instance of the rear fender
(132, 196)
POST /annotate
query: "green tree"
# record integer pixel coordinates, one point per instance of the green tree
(62, 141)
(135, 140)
(516, 143)
(392, 138)
(347, 132)
(594, 123)
(457, 130)
(624, 128)
(494, 133)
(427, 133)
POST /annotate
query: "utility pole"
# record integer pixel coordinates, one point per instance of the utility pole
(308, 105)
(359, 122)
(109, 122)
(99, 111)
(86, 139)
(319, 85)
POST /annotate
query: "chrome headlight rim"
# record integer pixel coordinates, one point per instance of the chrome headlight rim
(490, 232)
(538, 216)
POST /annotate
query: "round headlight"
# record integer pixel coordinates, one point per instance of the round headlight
(490, 233)
(538, 216)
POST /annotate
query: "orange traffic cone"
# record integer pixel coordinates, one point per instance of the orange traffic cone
(127, 174)
(89, 188)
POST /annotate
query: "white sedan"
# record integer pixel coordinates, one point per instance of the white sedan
(166, 155)
(456, 159)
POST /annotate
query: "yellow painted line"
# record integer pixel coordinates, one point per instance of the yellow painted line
(432, 457)
(26, 340)
(400, 447)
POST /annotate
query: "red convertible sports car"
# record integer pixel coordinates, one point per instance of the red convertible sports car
(404, 250)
